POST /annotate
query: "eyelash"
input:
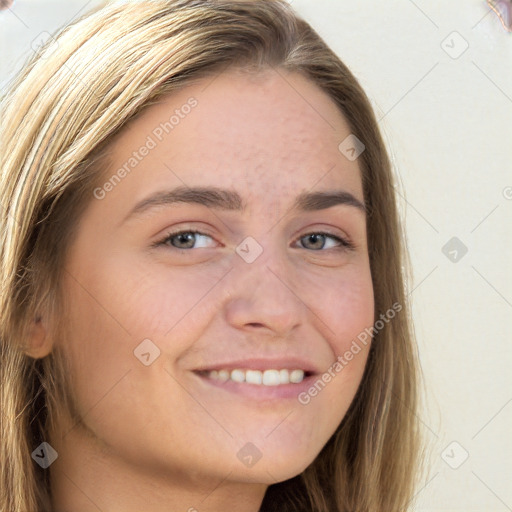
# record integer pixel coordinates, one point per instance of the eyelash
(344, 243)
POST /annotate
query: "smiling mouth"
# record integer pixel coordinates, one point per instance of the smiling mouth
(272, 377)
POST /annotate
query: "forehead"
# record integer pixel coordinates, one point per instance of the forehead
(274, 131)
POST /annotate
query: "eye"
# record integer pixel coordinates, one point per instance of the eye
(182, 239)
(318, 241)
(186, 239)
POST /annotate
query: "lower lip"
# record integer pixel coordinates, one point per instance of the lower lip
(260, 392)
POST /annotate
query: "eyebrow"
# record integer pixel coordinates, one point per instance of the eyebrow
(230, 200)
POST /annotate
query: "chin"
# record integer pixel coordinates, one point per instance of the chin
(276, 467)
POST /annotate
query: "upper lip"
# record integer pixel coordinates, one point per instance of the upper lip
(289, 363)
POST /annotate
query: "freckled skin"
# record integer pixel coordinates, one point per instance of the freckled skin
(158, 430)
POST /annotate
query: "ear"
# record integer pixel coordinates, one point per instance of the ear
(39, 343)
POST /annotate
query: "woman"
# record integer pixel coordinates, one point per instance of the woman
(272, 367)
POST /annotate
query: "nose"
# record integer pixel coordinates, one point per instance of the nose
(262, 297)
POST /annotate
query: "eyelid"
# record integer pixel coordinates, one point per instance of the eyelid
(170, 234)
(345, 242)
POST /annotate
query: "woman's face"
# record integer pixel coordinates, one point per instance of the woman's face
(158, 322)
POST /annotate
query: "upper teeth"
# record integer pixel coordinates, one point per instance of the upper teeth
(265, 378)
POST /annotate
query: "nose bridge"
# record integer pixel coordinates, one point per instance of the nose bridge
(260, 260)
(261, 288)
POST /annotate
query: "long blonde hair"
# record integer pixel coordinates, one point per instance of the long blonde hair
(58, 118)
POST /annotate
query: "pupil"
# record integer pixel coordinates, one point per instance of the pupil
(186, 237)
(316, 238)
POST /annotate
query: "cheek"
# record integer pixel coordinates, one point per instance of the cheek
(142, 298)
(113, 308)
(153, 298)
(348, 310)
